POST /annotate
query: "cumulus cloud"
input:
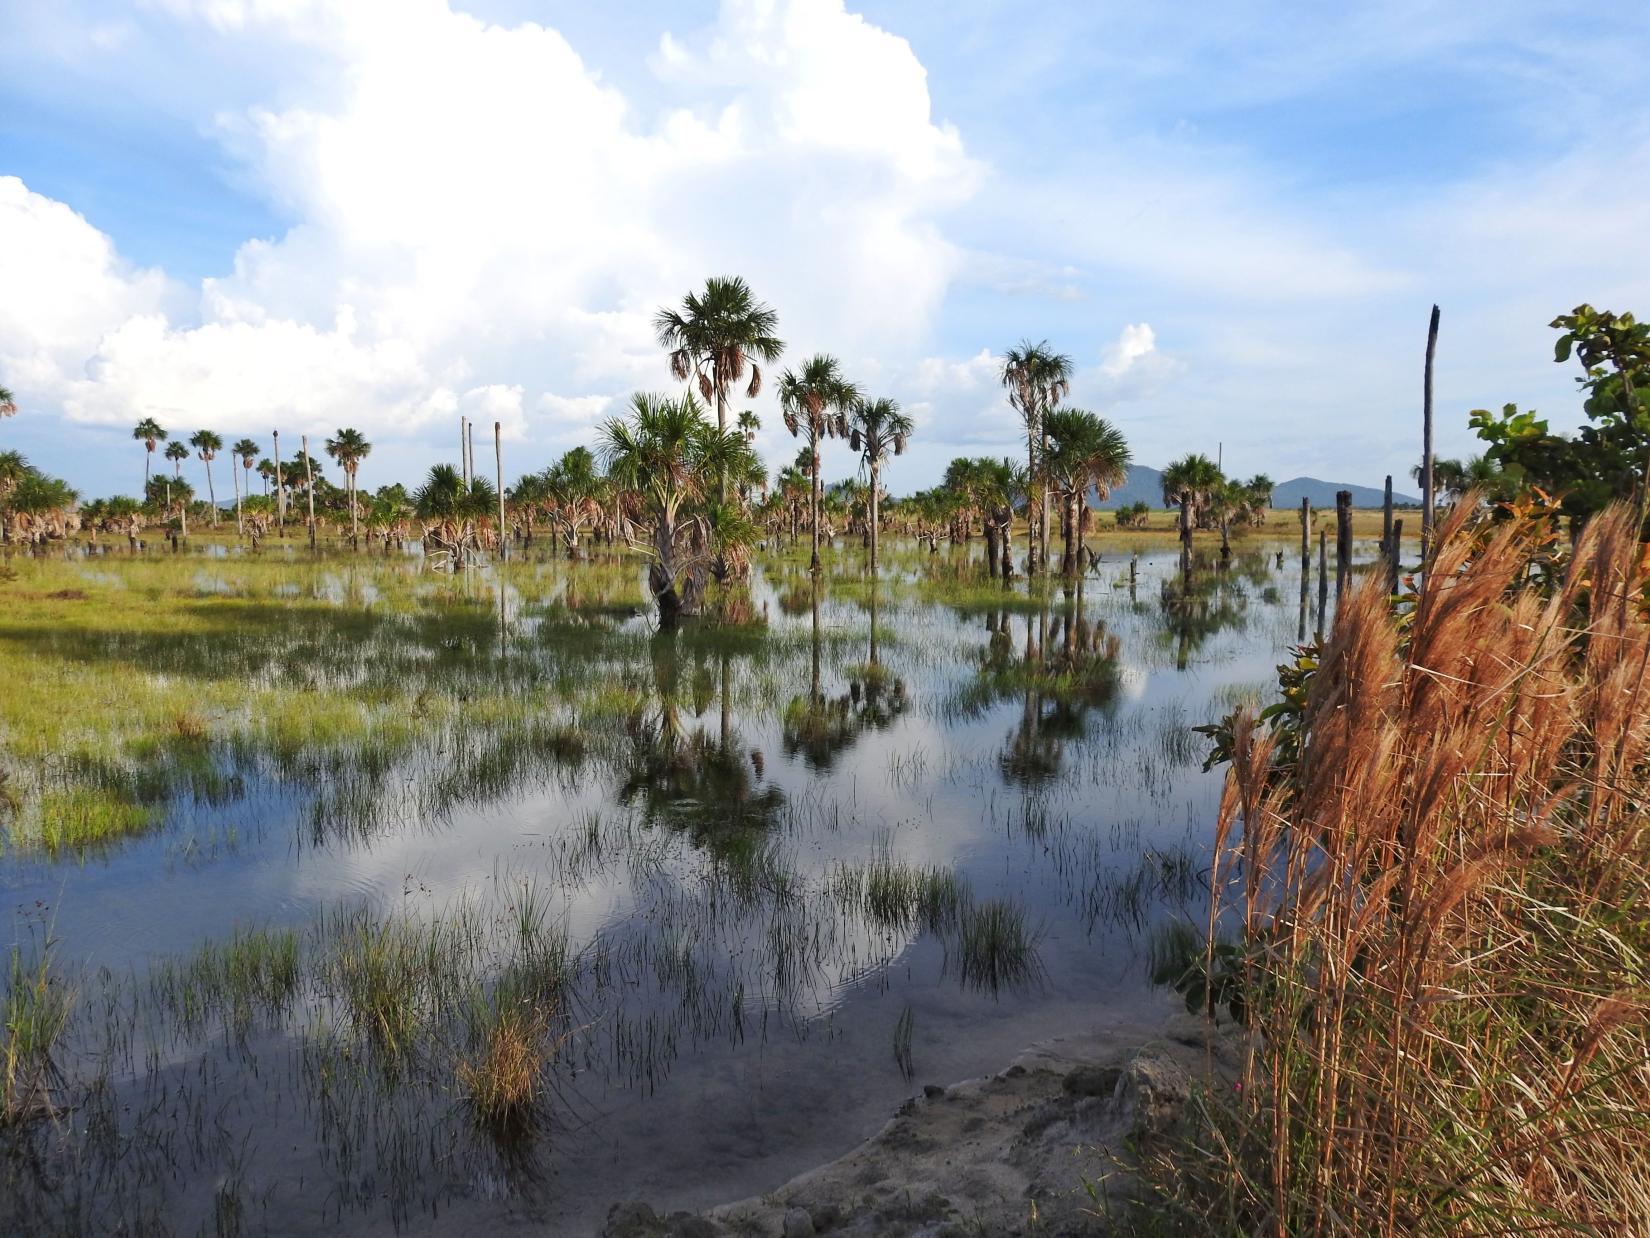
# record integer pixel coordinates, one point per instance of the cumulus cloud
(493, 239)
(1136, 340)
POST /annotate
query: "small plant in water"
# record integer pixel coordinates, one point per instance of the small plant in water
(36, 1010)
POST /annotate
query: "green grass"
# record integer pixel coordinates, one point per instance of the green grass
(34, 1012)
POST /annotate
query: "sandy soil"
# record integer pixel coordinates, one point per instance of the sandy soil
(1043, 1147)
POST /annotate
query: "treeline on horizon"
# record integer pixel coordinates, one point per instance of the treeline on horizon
(717, 342)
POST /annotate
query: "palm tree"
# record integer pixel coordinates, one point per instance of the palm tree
(149, 432)
(573, 488)
(1037, 379)
(349, 448)
(177, 453)
(817, 397)
(208, 445)
(246, 451)
(715, 336)
(442, 494)
(877, 430)
(1191, 483)
(8, 403)
(1083, 451)
(669, 456)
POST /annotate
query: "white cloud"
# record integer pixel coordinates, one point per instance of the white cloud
(479, 238)
(65, 287)
(1135, 341)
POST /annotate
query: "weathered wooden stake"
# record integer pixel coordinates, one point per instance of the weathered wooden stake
(1343, 544)
(1386, 520)
(1427, 497)
(498, 456)
(309, 487)
(1323, 577)
(280, 491)
(1395, 556)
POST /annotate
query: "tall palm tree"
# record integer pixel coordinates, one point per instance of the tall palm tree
(818, 398)
(1084, 451)
(148, 432)
(246, 451)
(671, 458)
(715, 336)
(1037, 378)
(349, 448)
(877, 430)
(177, 453)
(208, 445)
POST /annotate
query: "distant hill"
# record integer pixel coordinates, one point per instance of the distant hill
(1321, 494)
(1145, 484)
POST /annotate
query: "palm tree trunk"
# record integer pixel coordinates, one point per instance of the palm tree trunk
(874, 526)
(211, 494)
(1031, 480)
(1069, 563)
(235, 477)
(354, 528)
(1042, 531)
(813, 493)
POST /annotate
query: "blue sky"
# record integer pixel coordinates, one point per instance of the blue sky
(247, 214)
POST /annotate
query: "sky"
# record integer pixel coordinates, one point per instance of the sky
(246, 215)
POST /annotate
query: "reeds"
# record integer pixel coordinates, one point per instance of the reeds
(35, 1010)
(1444, 906)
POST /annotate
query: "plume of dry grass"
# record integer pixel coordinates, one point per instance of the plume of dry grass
(1446, 910)
(504, 1078)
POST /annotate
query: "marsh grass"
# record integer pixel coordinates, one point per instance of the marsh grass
(255, 971)
(1441, 905)
(901, 896)
(996, 949)
(35, 1010)
(503, 1076)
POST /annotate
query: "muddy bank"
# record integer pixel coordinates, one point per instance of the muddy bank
(1042, 1147)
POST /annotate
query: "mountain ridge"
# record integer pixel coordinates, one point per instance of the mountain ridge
(1145, 484)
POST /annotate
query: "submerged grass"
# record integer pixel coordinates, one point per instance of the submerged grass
(34, 1013)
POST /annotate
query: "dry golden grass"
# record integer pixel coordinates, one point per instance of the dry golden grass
(1445, 905)
(504, 1079)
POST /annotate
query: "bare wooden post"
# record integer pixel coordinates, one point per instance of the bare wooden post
(1343, 544)
(1306, 535)
(1393, 556)
(498, 456)
(1427, 497)
(1386, 520)
(464, 450)
(1323, 577)
(469, 451)
(280, 491)
(309, 487)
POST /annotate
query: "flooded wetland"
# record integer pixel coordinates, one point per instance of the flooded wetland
(350, 891)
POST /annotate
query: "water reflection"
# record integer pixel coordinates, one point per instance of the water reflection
(709, 786)
(819, 727)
